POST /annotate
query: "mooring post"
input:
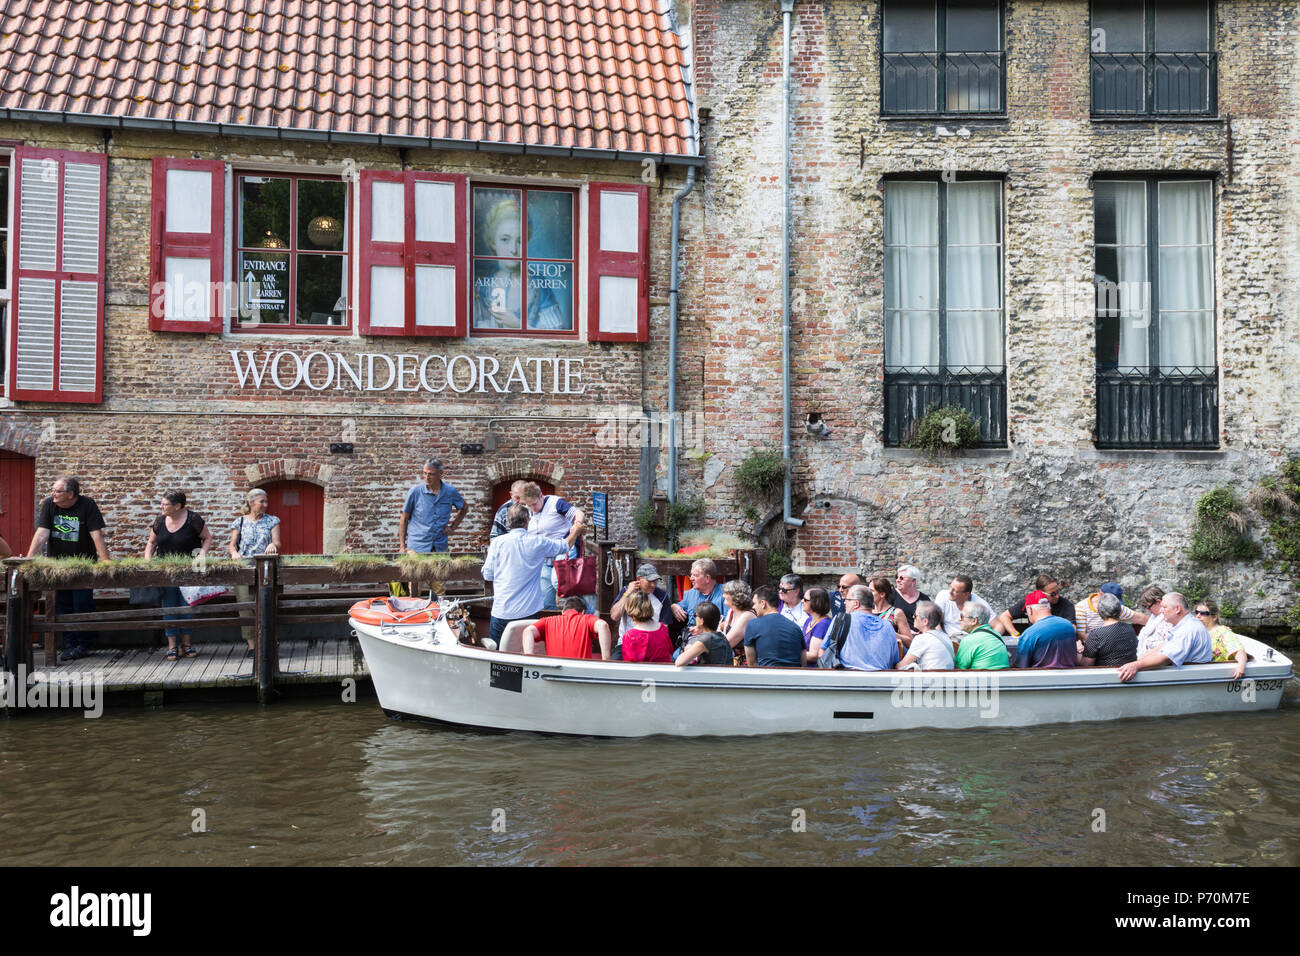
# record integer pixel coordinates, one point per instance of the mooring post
(15, 614)
(606, 576)
(265, 649)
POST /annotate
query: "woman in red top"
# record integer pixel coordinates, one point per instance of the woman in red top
(647, 639)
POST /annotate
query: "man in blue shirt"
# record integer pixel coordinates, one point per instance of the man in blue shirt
(423, 528)
(513, 564)
(871, 643)
(1048, 641)
(704, 587)
(772, 640)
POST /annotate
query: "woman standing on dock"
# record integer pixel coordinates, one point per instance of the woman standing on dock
(255, 532)
(177, 531)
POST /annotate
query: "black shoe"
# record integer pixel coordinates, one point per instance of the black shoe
(72, 654)
(249, 655)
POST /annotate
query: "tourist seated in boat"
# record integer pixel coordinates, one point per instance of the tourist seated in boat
(1113, 642)
(570, 633)
(1060, 605)
(648, 582)
(847, 580)
(705, 644)
(647, 639)
(1224, 644)
(817, 602)
(790, 591)
(1188, 641)
(931, 648)
(953, 601)
(981, 648)
(884, 605)
(772, 640)
(704, 587)
(871, 643)
(739, 599)
(1156, 630)
(1087, 617)
(1049, 640)
(907, 592)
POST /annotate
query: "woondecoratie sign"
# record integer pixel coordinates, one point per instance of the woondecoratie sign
(406, 372)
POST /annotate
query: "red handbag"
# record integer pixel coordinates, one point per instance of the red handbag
(576, 577)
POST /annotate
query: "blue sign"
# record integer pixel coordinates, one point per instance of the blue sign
(600, 511)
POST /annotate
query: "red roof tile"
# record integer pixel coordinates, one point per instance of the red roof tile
(592, 74)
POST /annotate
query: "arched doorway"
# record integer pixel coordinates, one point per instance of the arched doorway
(17, 499)
(300, 506)
(501, 492)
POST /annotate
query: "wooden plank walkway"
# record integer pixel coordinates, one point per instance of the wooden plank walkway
(125, 669)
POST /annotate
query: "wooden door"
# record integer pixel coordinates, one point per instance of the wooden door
(17, 499)
(300, 506)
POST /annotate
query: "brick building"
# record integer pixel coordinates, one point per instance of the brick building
(307, 245)
(961, 174)
(1077, 219)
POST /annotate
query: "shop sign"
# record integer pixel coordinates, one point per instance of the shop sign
(407, 372)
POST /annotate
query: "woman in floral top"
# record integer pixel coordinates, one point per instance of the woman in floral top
(1225, 644)
(255, 532)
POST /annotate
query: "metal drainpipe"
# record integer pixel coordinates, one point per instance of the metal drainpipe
(672, 336)
(787, 8)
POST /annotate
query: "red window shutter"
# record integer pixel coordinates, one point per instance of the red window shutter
(187, 255)
(56, 339)
(618, 263)
(413, 254)
(439, 261)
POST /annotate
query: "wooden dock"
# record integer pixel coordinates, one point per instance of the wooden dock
(226, 667)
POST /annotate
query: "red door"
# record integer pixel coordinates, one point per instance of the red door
(300, 506)
(501, 492)
(17, 499)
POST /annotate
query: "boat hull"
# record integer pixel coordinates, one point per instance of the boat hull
(430, 676)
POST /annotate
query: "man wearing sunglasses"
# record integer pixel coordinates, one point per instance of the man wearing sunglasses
(792, 609)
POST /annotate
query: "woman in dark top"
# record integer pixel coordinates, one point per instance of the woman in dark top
(1113, 644)
(817, 602)
(177, 531)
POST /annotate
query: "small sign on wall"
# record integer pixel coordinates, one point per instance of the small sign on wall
(600, 511)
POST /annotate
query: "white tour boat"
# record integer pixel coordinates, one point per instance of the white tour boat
(423, 670)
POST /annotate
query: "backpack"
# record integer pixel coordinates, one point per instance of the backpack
(839, 630)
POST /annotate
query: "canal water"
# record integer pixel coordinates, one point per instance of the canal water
(326, 782)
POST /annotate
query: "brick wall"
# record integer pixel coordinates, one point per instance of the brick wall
(174, 414)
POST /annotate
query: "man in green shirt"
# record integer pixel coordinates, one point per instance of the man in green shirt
(982, 648)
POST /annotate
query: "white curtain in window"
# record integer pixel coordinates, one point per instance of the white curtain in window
(1186, 275)
(974, 295)
(1134, 292)
(912, 275)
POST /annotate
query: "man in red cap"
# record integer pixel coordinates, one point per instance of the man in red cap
(1049, 640)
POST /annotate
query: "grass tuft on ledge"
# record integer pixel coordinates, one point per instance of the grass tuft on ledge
(56, 572)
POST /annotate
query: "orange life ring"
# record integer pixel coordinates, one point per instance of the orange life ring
(379, 611)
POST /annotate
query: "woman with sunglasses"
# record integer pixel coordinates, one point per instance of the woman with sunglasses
(817, 602)
(1225, 644)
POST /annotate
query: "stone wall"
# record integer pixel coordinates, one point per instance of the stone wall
(1051, 499)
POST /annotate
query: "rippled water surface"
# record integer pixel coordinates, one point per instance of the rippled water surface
(328, 783)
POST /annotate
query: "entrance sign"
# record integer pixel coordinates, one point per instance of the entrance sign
(599, 511)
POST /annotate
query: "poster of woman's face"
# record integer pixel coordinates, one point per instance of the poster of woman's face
(511, 290)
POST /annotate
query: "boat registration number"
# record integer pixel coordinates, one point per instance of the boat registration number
(1237, 686)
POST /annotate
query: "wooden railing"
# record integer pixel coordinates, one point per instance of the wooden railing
(285, 594)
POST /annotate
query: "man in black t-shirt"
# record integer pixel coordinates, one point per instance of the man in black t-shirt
(70, 525)
(1061, 605)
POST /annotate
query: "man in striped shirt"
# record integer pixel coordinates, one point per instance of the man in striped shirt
(1086, 618)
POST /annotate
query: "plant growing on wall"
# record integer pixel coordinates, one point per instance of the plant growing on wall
(675, 517)
(761, 476)
(945, 428)
(1221, 529)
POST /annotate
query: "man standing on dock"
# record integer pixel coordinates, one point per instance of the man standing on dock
(70, 525)
(424, 527)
